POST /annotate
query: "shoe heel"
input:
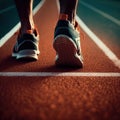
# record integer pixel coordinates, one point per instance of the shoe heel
(66, 52)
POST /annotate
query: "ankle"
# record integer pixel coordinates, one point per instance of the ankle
(29, 31)
(27, 25)
(24, 29)
(67, 17)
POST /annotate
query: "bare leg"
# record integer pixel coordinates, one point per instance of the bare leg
(24, 8)
(27, 44)
(68, 7)
(67, 37)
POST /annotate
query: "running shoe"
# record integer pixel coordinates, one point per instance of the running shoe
(27, 46)
(67, 45)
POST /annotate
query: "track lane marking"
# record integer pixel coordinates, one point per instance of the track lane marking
(57, 74)
(111, 18)
(99, 43)
(6, 37)
(44, 74)
(7, 9)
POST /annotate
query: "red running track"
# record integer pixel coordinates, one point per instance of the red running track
(58, 97)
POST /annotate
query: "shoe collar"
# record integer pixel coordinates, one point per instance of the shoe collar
(74, 25)
(29, 31)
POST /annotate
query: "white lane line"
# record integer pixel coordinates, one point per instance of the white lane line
(7, 9)
(6, 37)
(99, 43)
(111, 18)
(57, 74)
(36, 9)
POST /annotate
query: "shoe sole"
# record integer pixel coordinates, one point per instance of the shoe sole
(66, 52)
(29, 55)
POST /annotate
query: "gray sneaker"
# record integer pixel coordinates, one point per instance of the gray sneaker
(27, 46)
(67, 45)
